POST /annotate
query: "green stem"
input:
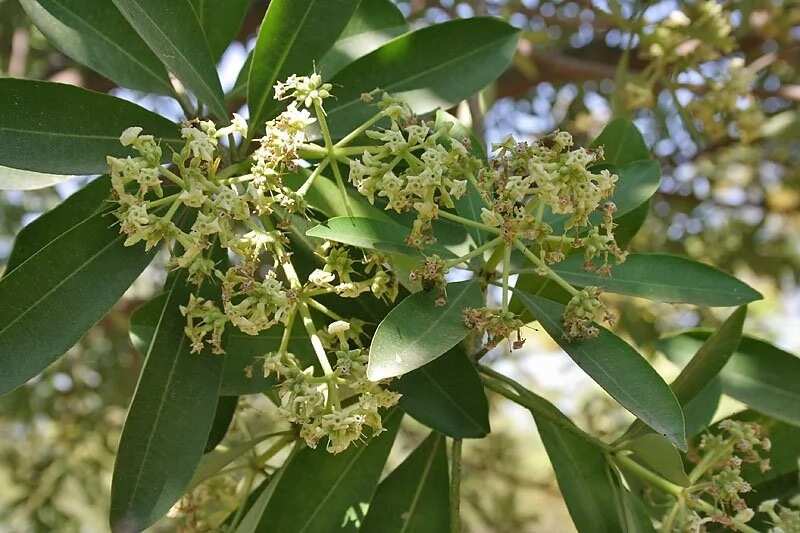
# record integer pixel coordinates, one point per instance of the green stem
(230, 170)
(287, 331)
(651, 477)
(506, 271)
(474, 253)
(494, 260)
(163, 201)
(311, 178)
(171, 176)
(455, 487)
(468, 222)
(321, 308)
(347, 139)
(545, 268)
(273, 450)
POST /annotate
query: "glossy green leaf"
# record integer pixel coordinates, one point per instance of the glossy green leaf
(294, 35)
(701, 373)
(622, 143)
(374, 23)
(660, 456)
(172, 30)
(447, 395)
(372, 234)
(618, 368)
(415, 496)
(52, 295)
(317, 488)
(436, 66)
(14, 179)
(61, 129)
(629, 224)
(220, 21)
(226, 408)
(78, 207)
(584, 477)
(242, 373)
(168, 423)
(758, 374)
(663, 278)
(700, 410)
(417, 331)
(94, 33)
(632, 511)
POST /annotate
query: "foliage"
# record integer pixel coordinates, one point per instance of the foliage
(312, 254)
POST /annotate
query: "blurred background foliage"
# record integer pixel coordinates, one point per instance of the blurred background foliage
(714, 87)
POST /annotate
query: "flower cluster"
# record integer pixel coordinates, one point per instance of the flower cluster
(416, 166)
(311, 402)
(719, 475)
(583, 310)
(730, 100)
(496, 324)
(783, 519)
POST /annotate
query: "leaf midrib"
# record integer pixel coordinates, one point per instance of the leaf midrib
(123, 51)
(278, 64)
(628, 283)
(200, 78)
(439, 66)
(423, 480)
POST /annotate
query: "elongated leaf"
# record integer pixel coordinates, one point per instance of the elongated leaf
(317, 488)
(632, 511)
(14, 179)
(54, 295)
(660, 456)
(262, 495)
(220, 22)
(172, 30)
(226, 408)
(618, 368)
(447, 395)
(294, 35)
(700, 410)
(386, 236)
(629, 224)
(432, 67)
(168, 423)
(374, 23)
(758, 374)
(74, 210)
(622, 143)
(584, 478)
(414, 497)
(417, 331)
(94, 33)
(701, 373)
(61, 129)
(242, 373)
(663, 278)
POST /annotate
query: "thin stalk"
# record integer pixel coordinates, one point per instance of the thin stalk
(506, 271)
(468, 222)
(651, 477)
(340, 184)
(355, 150)
(287, 331)
(494, 260)
(163, 201)
(544, 267)
(273, 450)
(248, 486)
(353, 135)
(321, 308)
(455, 487)
(171, 176)
(474, 253)
(311, 178)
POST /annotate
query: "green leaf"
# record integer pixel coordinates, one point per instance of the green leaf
(372, 234)
(436, 66)
(317, 488)
(51, 296)
(758, 374)
(447, 395)
(584, 477)
(14, 179)
(226, 408)
(702, 370)
(374, 23)
(632, 510)
(242, 372)
(61, 129)
(618, 368)
(417, 331)
(263, 494)
(622, 143)
(168, 423)
(700, 410)
(629, 224)
(94, 33)
(220, 21)
(78, 207)
(294, 35)
(415, 496)
(663, 278)
(660, 456)
(172, 30)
